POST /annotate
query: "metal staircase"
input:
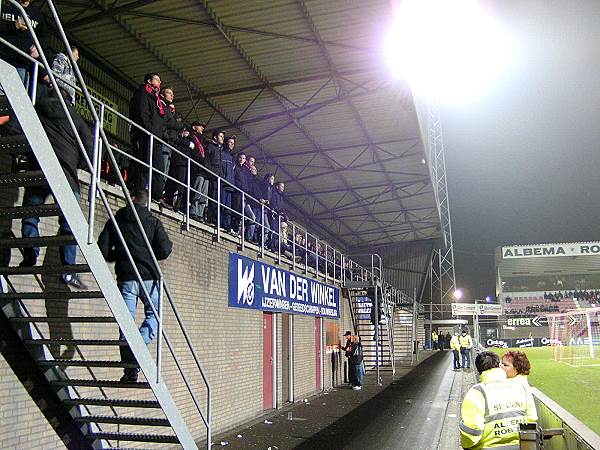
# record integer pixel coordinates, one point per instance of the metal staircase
(78, 390)
(371, 303)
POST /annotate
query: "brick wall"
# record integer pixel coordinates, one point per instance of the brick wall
(228, 341)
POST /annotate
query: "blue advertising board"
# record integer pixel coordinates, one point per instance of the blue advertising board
(256, 285)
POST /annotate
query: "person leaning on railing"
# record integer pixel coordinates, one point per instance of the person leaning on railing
(242, 181)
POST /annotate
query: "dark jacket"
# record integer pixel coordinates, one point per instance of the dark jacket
(228, 165)
(267, 190)
(355, 355)
(277, 202)
(242, 178)
(214, 158)
(198, 154)
(20, 38)
(171, 126)
(144, 110)
(255, 190)
(61, 136)
(111, 247)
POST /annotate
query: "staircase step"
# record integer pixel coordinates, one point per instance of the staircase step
(124, 420)
(75, 342)
(41, 241)
(101, 383)
(14, 145)
(19, 212)
(24, 179)
(85, 363)
(60, 295)
(55, 269)
(135, 437)
(80, 319)
(112, 402)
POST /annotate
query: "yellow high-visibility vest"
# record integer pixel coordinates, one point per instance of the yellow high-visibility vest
(465, 341)
(492, 411)
(454, 343)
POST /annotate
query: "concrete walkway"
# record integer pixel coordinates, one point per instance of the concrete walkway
(406, 413)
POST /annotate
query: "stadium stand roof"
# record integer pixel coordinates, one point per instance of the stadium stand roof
(304, 87)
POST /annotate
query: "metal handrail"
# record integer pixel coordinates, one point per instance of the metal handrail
(93, 167)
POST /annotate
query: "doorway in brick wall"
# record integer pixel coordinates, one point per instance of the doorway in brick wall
(318, 353)
(287, 358)
(267, 360)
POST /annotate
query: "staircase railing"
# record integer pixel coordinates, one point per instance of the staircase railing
(93, 167)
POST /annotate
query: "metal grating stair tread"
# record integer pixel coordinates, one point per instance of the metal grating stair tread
(125, 420)
(41, 241)
(80, 319)
(102, 383)
(86, 363)
(59, 341)
(24, 179)
(60, 295)
(45, 270)
(136, 437)
(128, 403)
(19, 212)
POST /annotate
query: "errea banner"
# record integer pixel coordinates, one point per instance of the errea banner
(256, 285)
(549, 250)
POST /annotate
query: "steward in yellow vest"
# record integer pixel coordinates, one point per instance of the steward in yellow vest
(493, 409)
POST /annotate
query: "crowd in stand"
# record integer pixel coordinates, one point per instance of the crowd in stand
(589, 295)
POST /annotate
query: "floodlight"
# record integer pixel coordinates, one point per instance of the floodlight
(458, 294)
(445, 49)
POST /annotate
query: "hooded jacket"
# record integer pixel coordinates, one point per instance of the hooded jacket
(61, 136)
(20, 38)
(214, 158)
(113, 251)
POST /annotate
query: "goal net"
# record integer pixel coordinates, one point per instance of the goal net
(575, 337)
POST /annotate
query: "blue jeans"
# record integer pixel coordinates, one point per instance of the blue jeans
(131, 291)
(251, 218)
(456, 359)
(199, 199)
(466, 357)
(35, 196)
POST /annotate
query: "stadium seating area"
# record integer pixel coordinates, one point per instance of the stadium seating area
(532, 305)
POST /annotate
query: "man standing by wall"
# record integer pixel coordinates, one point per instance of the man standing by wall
(455, 347)
(129, 285)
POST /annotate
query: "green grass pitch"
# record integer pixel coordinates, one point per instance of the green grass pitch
(574, 387)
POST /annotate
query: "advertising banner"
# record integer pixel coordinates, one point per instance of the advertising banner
(110, 118)
(522, 342)
(257, 285)
(483, 309)
(550, 250)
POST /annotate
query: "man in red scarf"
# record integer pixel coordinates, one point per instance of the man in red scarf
(147, 110)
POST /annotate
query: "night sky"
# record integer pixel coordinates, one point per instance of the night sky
(523, 161)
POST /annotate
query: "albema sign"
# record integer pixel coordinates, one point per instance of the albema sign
(550, 250)
(256, 285)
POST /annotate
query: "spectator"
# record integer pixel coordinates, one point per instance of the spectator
(63, 140)
(13, 28)
(172, 127)
(214, 162)
(265, 198)
(227, 186)
(243, 181)
(148, 111)
(277, 205)
(129, 285)
(199, 198)
(251, 161)
(256, 191)
(355, 358)
(175, 192)
(64, 73)
(493, 409)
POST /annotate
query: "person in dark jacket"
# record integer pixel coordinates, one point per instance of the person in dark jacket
(243, 182)
(265, 196)
(13, 28)
(63, 140)
(277, 206)
(171, 133)
(200, 179)
(148, 111)
(129, 285)
(228, 164)
(214, 162)
(355, 361)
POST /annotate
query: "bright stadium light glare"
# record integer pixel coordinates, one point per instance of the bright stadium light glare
(458, 294)
(446, 49)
